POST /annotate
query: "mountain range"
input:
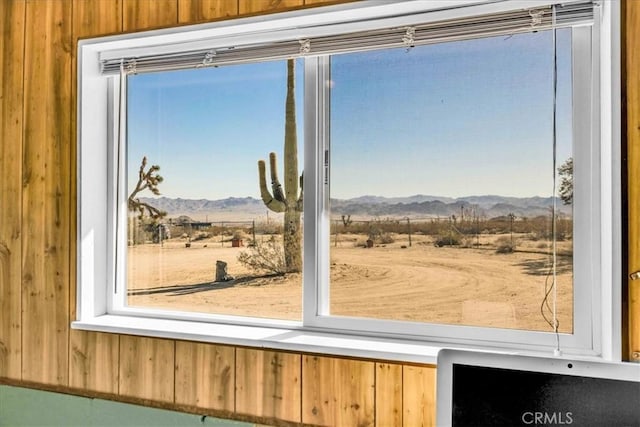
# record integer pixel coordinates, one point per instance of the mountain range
(417, 206)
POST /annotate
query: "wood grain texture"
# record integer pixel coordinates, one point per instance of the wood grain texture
(145, 14)
(388, 395)
(46, 193)
(633, 167)
(93, 364)
(323, 2)
(337, 392)
(205, 375)
(268, 384)
(193, 11)
(91, 18)
(147, 368)
(266, 6)
(93, 357)
(12, 29)
(419, 395)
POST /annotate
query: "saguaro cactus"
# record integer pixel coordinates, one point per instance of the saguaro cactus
(288, 201)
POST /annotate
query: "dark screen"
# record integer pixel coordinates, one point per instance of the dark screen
(485, 396)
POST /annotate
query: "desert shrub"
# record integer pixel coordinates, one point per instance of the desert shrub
(238, 234)
(446, 241)
(504, 245)
(360, 243)
(385, 238)
(379, 235)
(534, 237)
(267, 256)
(468, 242)
(200, 236)
(273, 227)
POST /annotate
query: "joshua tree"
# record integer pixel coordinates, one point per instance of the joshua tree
(566, 181)
(288, 201)
(146, 180)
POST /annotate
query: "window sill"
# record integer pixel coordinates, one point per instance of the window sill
(267, 337)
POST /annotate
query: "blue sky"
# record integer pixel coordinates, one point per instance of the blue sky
(452, 119)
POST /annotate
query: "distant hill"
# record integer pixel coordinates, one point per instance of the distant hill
(417, 206)
(229, 209)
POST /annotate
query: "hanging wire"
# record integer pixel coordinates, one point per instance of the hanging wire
(119, 138)
(552, 289)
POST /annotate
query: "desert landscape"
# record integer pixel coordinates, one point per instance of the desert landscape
(472, 282)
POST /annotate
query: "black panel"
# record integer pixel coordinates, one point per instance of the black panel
(485, 396)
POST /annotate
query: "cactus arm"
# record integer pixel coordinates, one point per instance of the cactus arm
(269, 201)
(290, 139)
(276, 187)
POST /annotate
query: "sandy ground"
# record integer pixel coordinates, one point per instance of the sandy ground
(470, 286)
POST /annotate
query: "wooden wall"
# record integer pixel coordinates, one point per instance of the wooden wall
(632, 106)
(38, 249)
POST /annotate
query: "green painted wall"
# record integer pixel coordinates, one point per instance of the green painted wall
(24, 407)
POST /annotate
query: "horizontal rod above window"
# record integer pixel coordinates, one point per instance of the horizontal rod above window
(308, 43)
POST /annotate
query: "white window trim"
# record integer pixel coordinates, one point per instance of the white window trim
(324, 334)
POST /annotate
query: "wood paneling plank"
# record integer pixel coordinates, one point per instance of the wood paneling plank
(388, 395)
(205, 375)
(633, 168)
(323, 2)
(267, 6)
(94, 361)
(268, 384)
(46, 201)
(419, 395)
(337, 392)
(12, 29)
(93, 357)
(147, 368)
(91, 18)
(146, 14)
(193, 11)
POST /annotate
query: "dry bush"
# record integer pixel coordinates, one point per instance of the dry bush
(446, 241)
(468, 242)
(200, 236)
(265, 256)
(385, 238)
(239, 234)
(505, 245)
(273, 227)
(360, 243)
(378, 235)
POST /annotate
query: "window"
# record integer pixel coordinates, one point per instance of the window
(206, 129)
(453, 141)
(435, 175)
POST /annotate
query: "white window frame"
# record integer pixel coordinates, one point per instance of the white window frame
(599, 264)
